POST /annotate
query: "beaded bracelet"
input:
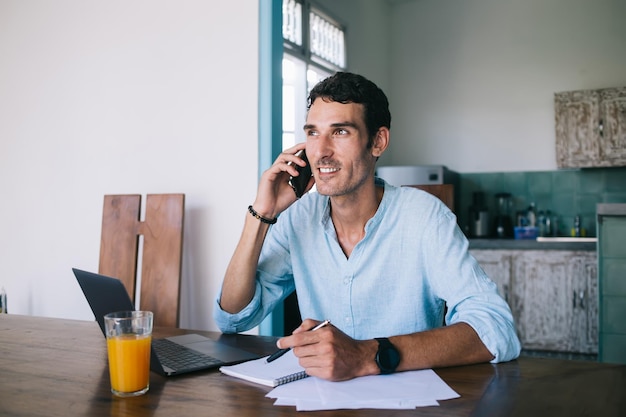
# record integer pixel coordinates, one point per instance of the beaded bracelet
(263, 219)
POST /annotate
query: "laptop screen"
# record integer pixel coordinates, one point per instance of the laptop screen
(105, 295)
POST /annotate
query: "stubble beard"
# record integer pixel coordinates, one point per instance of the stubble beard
(344, 187)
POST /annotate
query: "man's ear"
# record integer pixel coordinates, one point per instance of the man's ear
(381, 141)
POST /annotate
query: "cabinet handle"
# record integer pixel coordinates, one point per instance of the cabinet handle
(506, 292)
(601, 128)
(582, 300)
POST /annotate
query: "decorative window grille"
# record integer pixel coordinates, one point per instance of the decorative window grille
(313, 35)
(314, 48)
(326, 40)
(292, 21)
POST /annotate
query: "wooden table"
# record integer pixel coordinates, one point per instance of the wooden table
(56, 367)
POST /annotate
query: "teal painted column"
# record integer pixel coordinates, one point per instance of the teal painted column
(612, 282)
(270, 111)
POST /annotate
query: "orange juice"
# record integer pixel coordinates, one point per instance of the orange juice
(129, 363)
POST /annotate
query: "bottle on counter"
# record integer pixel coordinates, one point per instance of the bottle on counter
(554, 225)
(532, 215)
(578, 230)
(521, 218)
(541, 223)
(548, 224)
(3, 301)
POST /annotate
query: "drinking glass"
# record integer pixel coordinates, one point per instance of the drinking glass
(129, 336)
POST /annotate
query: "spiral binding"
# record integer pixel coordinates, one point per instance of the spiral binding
(290, 378)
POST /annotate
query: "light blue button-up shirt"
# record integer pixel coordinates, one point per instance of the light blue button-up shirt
(412, 261)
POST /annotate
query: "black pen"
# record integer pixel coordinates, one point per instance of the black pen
(281, 352)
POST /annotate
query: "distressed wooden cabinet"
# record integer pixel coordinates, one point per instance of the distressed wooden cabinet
(591, 128)
(553, 296)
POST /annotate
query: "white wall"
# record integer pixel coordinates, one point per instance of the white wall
(97, 98)
(473, 80)
(367, 36)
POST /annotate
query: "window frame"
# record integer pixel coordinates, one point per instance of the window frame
(272, 48)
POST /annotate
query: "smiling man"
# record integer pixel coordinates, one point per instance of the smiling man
(380, 262)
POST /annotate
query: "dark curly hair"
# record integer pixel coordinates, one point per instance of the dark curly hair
(345, 87)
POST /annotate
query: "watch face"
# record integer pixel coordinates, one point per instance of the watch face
(387, 357)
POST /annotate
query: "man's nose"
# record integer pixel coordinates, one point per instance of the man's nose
(324, 146)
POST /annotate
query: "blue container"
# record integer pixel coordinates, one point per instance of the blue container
(526, 232)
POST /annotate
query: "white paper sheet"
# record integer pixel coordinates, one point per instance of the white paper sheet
(403, 390)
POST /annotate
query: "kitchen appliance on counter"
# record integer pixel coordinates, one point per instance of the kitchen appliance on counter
(478, 216)
(435, 179)
(503, 222)
(417, 175)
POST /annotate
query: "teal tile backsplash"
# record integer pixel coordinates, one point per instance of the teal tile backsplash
(566, 193)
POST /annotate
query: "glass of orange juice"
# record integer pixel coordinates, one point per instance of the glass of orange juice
(129, 335)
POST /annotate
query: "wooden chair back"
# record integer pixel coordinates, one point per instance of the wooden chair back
(161, 260)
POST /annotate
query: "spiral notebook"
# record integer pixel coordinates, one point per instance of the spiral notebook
(278, 372)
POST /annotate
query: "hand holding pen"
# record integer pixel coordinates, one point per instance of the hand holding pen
(281, 352)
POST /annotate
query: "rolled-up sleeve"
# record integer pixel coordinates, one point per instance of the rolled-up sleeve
(491, 318)
(470, 295)
(269, 291)
(244, 320)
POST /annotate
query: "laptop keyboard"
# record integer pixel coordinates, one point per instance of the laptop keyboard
(179, 357)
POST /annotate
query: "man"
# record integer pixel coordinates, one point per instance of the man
(379, 261)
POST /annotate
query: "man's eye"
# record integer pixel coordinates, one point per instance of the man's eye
(341, 132)
(312, 133)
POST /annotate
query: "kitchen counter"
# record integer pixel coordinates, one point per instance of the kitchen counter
(531, 244)
(616, 209)
(565, 243)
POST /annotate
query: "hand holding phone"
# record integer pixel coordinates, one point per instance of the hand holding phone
(300, 182)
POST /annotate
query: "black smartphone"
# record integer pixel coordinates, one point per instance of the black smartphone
(300, 182)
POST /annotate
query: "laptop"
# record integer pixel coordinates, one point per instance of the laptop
(170, 356)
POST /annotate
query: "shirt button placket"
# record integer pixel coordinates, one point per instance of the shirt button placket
(347, 306)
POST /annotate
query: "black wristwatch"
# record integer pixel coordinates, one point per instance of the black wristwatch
(387, 357)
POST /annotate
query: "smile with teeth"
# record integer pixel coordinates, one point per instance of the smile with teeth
(328, 170)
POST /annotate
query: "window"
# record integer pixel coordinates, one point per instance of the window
(314, 48)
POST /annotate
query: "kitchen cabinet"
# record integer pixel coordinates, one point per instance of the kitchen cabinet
(497, 264)
(612, 274)
(591, 128)
(553, 296)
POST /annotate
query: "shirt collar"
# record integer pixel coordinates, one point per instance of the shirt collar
(388, 196)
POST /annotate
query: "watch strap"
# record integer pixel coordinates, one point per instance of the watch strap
(384, 342)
